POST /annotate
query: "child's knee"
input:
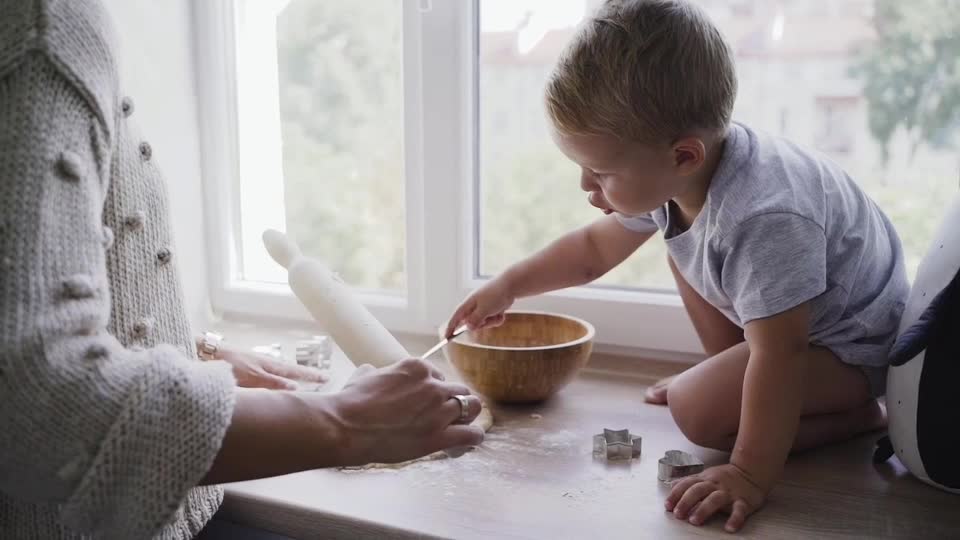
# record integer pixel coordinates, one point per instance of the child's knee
(697, 419)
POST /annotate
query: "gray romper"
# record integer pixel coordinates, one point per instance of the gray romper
(782, 226)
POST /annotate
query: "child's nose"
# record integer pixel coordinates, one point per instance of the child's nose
(587, 183)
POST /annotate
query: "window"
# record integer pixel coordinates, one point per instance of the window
(519, 164)
(836, 123)
(341, 122)
(783, 72)
(853, 92)
(404, 143)
(321, 124)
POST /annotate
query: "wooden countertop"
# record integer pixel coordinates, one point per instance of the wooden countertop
(536, 478)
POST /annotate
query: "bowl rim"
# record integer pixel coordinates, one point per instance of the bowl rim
(591, 333)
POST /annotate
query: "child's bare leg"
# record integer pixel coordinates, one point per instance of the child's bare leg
(716, 332)
(705, 400)
(819, 429)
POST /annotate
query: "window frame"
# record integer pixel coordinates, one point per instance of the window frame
(442, 190)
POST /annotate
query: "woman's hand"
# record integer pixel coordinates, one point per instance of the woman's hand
(484, 308)
(402, 412)
(726, 488)
(253, 370)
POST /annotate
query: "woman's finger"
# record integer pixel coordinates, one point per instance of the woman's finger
(692, 497)
(451, 389)
(457, 436)
(451, 410)
(436, 373)
(710, 506)
(263, 379)
(361, 371)
(738, 516)
(295, 371)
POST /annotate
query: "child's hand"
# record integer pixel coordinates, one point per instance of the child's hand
(725, 488)
(484, 308)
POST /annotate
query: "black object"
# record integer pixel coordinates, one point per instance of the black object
(883, 451)
(938, 401)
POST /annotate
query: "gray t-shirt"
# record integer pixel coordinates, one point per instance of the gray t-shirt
(782, 226)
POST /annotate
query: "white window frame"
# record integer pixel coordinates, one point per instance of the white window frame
(440, 68)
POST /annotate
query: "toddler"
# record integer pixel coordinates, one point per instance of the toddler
(794, 279)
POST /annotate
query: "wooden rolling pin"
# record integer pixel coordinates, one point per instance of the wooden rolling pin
(354, 329)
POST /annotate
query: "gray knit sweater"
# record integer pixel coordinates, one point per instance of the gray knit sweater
(106, 419)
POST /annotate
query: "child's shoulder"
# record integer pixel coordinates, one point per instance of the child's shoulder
(762, 174)
(760, 153)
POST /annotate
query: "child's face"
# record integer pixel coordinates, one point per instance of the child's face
(624, 177)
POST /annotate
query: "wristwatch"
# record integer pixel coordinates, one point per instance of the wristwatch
(209, 346)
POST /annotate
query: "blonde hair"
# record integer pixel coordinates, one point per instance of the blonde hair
(643, 70)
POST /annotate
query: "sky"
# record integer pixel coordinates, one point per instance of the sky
(534, 18)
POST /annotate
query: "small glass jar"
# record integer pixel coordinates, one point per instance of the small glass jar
(316, 351)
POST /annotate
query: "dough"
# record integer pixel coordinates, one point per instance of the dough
(483, 420)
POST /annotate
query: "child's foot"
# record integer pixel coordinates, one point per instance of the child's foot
(820, 429)
(657, 394)
(874, 416)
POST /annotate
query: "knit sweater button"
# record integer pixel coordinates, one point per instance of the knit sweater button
(69, 166)
(126, 105)
(135, 220)
(96, 351)
(74, 468)
(164, 255)
(78, 286)
(142, 327)
(146, 152)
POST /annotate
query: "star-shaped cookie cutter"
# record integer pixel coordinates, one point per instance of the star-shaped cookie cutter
(677, 464)
(616, 444)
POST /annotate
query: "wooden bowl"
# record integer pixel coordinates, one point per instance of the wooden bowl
(527, 359)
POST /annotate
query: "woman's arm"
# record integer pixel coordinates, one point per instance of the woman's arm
(391, 415)
(111, 437)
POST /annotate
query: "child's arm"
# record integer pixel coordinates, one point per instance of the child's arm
(576, 258)
(772, 393)
(769, 417)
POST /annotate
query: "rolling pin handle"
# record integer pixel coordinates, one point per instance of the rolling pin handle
(281, 249)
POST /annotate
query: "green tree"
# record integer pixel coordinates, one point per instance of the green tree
(911, 74)
(341, 121)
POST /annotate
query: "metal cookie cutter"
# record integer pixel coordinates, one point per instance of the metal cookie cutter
(616, 444)
(315, 352)
(677, 464)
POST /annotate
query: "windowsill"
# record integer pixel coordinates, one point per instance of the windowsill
(634, 363)
(534, 477)
(421, 500)
(428, 499)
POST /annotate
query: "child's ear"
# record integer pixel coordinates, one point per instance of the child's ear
(689, 153)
